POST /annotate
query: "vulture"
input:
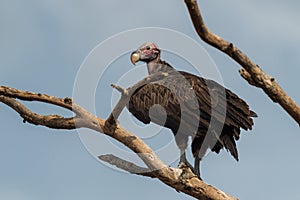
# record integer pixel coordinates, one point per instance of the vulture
(190, 106)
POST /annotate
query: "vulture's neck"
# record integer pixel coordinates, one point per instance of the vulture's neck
(155, 66)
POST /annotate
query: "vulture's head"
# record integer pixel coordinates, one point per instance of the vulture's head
(147, 52)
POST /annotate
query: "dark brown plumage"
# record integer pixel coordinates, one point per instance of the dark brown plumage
(193, 107)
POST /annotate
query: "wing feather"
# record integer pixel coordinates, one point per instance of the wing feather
(186, 98)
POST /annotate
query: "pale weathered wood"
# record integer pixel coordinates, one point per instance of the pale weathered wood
(258, 77)
(182, 179)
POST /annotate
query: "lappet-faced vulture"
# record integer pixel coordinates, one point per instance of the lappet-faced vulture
(190, 106)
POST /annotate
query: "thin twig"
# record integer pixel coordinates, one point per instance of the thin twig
(128, 166)
(120, 89)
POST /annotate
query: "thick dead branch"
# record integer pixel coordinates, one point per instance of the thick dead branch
(255, 75)
(183, 175)
(182, 179)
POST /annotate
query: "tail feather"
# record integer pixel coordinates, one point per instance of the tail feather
(253, 114)
(230, 145)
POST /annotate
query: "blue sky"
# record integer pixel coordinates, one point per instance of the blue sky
(43, 45)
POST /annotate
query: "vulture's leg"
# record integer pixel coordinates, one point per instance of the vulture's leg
(185, 161)
(183, 157)
(182, 141)
(197, 166)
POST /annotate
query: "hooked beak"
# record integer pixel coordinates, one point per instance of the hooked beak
(135, 57)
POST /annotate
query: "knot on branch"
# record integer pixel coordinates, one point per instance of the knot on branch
(262, 80)
(230, 50)
(68, 100)
(248, 77)
(110, 125)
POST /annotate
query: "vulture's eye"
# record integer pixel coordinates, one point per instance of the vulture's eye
(147, 47)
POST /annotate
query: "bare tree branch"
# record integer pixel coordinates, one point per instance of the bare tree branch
(182, 179)
(252, 72)
(127, 166)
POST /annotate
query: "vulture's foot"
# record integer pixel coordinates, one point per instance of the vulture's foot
(182, 165)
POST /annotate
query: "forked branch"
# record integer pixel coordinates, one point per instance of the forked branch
(182, 179)
(250, 71)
